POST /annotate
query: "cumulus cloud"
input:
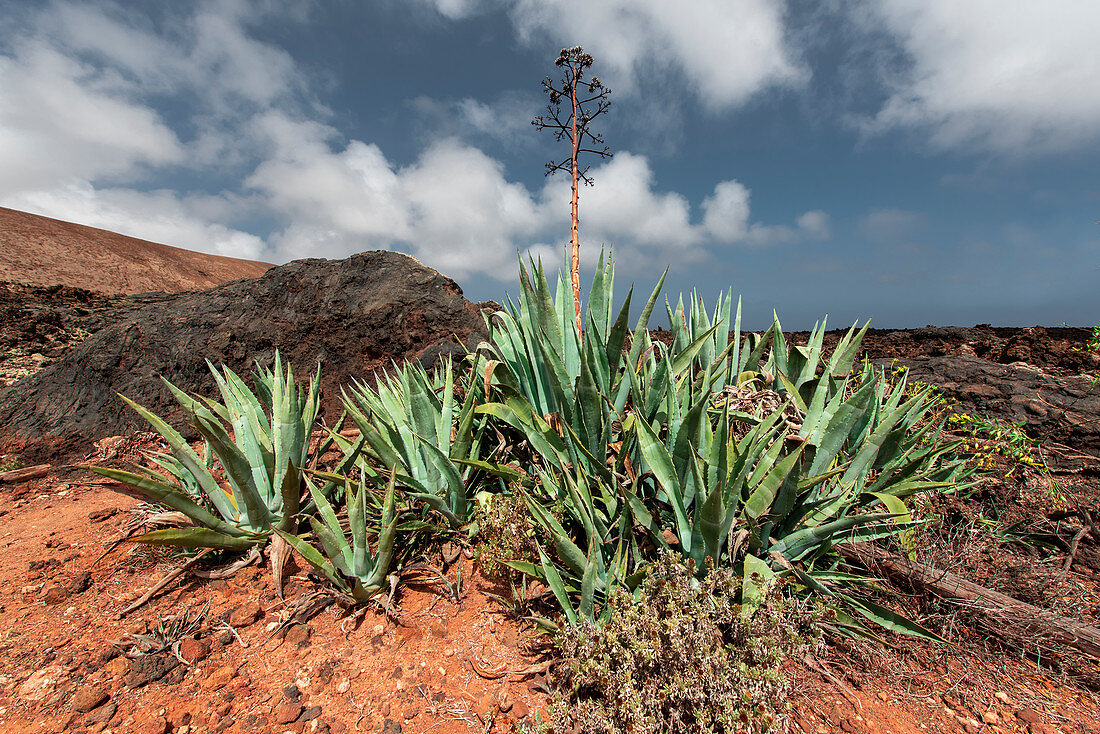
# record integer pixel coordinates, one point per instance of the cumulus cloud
(623, 205)
(809, 227)
(463, 210)
(1010, 77)
(207, 52)
(354, 191)
(727, 50)
(453, 208)
(726, 212)
(457, 9)
(726, 219)
(79, 91)
(61, 119)
(815, 224)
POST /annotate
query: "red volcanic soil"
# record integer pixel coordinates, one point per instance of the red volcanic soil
(40, 251)
(69, 657)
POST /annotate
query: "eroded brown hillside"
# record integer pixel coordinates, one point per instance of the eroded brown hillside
(40, 251)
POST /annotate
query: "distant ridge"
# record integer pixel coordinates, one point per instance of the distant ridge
(41, 251)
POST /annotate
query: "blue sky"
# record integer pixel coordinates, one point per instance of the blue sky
(910, 161)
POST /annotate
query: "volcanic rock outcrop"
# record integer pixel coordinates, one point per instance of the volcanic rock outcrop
(1062, 408)
(353, 316)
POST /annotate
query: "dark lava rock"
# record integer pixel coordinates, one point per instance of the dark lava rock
(149, 668)
(354, 316)
(39, 323)
(1066, 408)
(1058, 350)
(102, 514)
(80, 582)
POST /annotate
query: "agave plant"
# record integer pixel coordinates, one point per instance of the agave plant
(606, 554)
(413, 423)
(175, 469)
(710, 486)
(553, 381)
(842, 477)
(831, 459)
(352, 568)
(258, 441)
(718, 352)
(538, 342)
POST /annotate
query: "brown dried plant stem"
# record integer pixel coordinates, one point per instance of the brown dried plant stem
(587, 100)
(1018, 623)
(15, 476)
(575, 226)
(168, 578)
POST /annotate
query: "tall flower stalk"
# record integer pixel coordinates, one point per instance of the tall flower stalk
(583, 101)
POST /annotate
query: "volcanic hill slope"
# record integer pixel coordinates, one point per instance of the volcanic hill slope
(40, 251)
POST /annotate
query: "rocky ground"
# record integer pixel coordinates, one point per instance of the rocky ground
(72, 661)
(38, 324)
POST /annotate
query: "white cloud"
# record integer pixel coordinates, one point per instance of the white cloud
(465, 215)
(240, 67)
(726, 212)
(623, 205)
(208, 53)
(353, 191)
(61, 119)
(456, 9)
(79, 85)
(728, 50)
(815, 224)
(1005, 76)
(809, 227)
(726, 218)
(505, 119)
(453, 208)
